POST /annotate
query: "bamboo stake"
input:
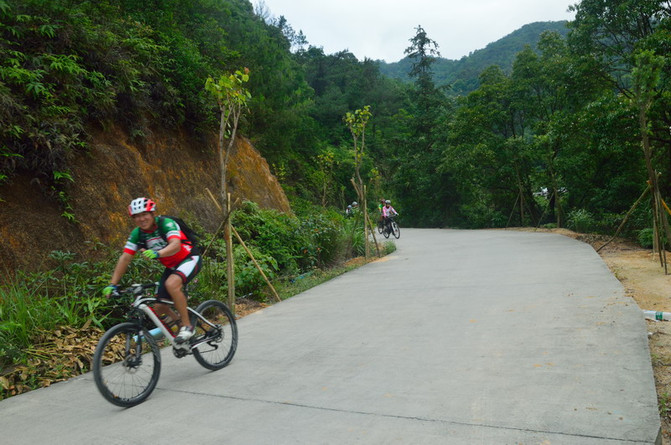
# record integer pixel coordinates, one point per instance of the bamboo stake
(365, 223)
(645, 192)
(369, 225)
(249, 252)
(228, 215)
(230, 269)
(512, 211)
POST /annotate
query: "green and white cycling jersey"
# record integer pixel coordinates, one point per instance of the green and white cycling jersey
(164, 230)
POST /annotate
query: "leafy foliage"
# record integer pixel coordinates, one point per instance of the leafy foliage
(529, 130)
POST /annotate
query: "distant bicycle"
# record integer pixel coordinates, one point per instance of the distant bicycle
(391, 228)
(127, 360)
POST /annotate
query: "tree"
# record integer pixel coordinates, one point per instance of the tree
(356, 122)
(646, 79)
(424, 192)
(424, 53)
(232, 97)
(629, 39)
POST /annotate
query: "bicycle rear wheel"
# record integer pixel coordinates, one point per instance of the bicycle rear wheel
(214, 348)
(395, 230)
(126, 364)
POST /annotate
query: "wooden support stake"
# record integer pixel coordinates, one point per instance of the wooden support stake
(228, 215)
(645, 192)
(230, 269)
(249, 252)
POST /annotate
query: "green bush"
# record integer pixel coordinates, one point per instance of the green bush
(580, 220)
(480, 214)
(324, 238)
(354, 238)
(248, 279)
(646, 237)
(388, 247)
(274, 233)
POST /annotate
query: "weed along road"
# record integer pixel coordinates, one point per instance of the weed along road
(459, 337)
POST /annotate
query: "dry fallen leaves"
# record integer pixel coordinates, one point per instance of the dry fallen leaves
(67, 352)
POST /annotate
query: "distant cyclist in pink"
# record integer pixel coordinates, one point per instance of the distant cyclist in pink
(387, 213)
(160, 238)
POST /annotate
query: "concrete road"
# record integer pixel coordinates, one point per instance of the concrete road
(459, 337)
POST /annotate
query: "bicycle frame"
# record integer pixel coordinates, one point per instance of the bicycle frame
(143, 304)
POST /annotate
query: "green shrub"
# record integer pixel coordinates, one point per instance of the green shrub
(646, 237)
(479, 215)
(274, 233)
(248, 279)
(388, 247)
(580, 220)
(325, 240)
(356, 241)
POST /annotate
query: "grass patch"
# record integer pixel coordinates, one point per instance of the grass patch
(287, 288)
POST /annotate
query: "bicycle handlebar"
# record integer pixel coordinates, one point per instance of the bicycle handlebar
(134, 289)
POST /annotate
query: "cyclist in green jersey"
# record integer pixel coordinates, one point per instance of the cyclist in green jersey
(161, 239)
(380, 220)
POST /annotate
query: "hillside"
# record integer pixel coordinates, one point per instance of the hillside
(114, 170)
(463, 74)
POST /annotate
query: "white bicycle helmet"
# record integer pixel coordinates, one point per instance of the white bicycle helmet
(140, 205)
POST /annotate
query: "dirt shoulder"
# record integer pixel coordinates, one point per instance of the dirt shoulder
(644, 279)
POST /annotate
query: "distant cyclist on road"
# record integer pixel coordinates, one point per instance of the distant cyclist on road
(387, 213)
(380, 221)
(161, 238)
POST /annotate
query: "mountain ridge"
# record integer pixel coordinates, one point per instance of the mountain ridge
(462, 75)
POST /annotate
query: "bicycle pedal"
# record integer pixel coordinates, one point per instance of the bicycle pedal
(181, 350)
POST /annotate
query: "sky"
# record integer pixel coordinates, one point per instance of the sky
(381, 29)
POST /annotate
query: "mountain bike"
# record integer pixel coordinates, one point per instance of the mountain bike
(391, 228)
(127, 360)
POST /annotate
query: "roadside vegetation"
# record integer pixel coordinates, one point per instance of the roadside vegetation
(51, 321)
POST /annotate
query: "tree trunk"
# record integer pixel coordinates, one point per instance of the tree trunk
(660, 222)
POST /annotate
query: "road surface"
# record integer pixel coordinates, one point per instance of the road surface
(459, 337)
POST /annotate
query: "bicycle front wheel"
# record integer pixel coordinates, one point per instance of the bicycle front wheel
(395, 230)
(126, 364)
(214, 347)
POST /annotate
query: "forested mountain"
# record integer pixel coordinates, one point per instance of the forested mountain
(462, 75)
(553, 137)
